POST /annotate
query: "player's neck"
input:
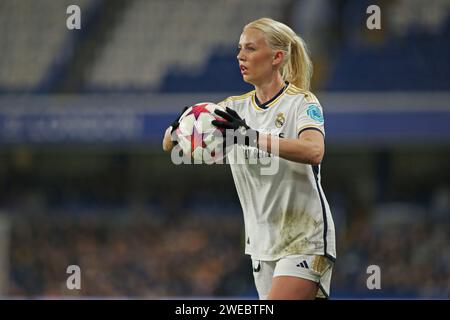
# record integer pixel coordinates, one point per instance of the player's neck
(267, 91)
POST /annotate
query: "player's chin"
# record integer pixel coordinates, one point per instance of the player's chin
(247, 78)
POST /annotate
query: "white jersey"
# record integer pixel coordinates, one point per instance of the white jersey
(285, 213)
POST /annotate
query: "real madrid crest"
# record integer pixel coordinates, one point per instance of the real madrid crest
(279, 121)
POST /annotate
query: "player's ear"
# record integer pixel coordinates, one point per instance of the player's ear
(278, 57)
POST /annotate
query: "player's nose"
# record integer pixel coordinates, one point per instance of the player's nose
(240, 56)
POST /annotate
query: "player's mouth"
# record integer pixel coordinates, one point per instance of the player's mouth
(243, 69)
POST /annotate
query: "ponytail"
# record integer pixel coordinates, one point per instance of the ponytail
(298, 68)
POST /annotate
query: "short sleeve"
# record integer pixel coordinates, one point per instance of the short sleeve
(225, 103)
(310, 115)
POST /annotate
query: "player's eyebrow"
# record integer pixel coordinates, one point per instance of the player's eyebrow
(246, 44)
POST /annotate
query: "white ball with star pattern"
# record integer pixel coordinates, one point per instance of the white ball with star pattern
(198, 137)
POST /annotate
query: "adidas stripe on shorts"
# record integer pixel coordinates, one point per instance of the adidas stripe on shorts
(311, 267)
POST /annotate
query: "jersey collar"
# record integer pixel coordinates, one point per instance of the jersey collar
(271, 102)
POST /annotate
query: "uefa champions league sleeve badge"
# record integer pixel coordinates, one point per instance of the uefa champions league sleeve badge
(314, 113)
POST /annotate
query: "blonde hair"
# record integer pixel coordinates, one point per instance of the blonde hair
(296, 67)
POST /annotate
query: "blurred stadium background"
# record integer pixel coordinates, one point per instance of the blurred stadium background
(84, 180)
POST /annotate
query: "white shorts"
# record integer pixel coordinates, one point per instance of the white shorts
(311, 267)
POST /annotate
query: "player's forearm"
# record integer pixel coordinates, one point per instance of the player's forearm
(297, 150)
(167, 141)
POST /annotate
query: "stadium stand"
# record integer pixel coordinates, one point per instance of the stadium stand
(130, 51)
(156, 36)
(33, 41)
(411, 53)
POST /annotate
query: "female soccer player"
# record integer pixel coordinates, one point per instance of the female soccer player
(289, 229)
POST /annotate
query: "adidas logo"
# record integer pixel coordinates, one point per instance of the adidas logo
(303, 264)
(256, 266)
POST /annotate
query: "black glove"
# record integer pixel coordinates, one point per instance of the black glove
(243, 134)
(176, 123)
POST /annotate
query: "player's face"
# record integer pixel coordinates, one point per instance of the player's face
(255, 57)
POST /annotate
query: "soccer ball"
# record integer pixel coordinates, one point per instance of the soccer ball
(197, 137)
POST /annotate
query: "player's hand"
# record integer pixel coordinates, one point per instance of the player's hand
(234, 121)
(249, 137)
(176, 123)
(170, 138)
